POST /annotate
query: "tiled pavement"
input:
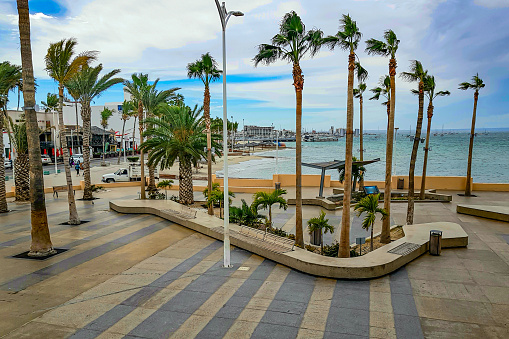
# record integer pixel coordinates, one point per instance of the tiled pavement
(136, 276)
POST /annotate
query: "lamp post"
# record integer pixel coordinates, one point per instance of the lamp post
(243, 137)
(55, 141)
(232, 132)
(224, 16)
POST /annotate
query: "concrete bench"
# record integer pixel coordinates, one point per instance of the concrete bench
(57, 189)
(267, 236)
(183, 212)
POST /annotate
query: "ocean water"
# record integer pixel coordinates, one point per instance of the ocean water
(447, 157)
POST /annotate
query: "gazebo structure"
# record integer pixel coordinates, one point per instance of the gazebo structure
(336, 164)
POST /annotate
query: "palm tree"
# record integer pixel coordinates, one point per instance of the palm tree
(9, 78)
(429, 91)
(357, 93)
(369, 205)
(61, 65)
(266, 200)
(383, 90)
(177, 134)
(416, 74)
(387, 48)
(357, 173)
(88, 85)
(51, 103)
(476, 85)
(152, 101)
(291, 44)
(217, 197)
(347, 38)
(245, 215)
(206, 70)
(41, 242)
(138, 88)
(21, 164)
(127, 112)
(321, 224)
(106, 114)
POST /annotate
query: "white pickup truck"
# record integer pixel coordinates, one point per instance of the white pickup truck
(133, 173)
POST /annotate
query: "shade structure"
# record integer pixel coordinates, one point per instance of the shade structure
(336, 164)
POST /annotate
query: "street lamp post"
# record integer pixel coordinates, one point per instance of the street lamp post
(224, 16)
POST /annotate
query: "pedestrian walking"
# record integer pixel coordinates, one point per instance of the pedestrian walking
(77, 168)
(81, 168)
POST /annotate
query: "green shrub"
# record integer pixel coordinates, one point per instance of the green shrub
(332, 250)
(156, 195)
(133, 159)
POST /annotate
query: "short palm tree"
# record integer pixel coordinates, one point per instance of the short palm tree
(177, 133)
(369, 205)
(291, 44)
(128, 110)
(21, 164)
(357, 174)
(51, 103)
(265, 200)
(245, 215)
(62, 65)
(347, 38)
(388, 47)
(383, 90)
(206, 69)
(320, 224)
(476, 85)
(41, 242)
(429, 91)
(106, 114)
(87, 84)
(416, 74)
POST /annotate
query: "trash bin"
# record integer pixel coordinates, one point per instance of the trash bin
(278, 185)
(401, 183)
(435, 242)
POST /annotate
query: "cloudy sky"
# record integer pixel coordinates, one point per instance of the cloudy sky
(454, 39)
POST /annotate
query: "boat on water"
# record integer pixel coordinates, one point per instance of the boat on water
(319, 138)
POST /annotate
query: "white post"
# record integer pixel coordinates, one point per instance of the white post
(243, 137)
(125, 141)
(55, 141)
(277, 148)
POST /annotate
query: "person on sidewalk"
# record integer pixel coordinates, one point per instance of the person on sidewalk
(77, 168)
(81, 168)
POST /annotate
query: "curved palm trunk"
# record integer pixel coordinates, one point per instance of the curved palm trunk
(385, 236)
(468, 189)
(185, 182)
(344, 241)
(426, 149)
(298, 83)
(41, 241)
(361, 141)
(122, 146)
(73, 212)
(22, 177)
(85, 116)
(3, 196)
(206, 115)
(134, 133)
(142, 157)
(413, 158)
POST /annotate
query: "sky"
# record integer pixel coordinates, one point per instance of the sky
(454, 40)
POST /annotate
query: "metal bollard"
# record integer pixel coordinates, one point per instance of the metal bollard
(435, 242)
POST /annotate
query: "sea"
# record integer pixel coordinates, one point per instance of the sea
(447, 156)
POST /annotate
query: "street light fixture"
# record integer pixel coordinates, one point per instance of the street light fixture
(224, 15)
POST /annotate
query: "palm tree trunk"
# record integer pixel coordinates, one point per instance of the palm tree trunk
(468, 189)
(344, 241)
(41, 241)
(104, 146)
(361, 141)
(385, 236)
(134, 134)
(185, 182)
(73, 212)
(413, 158)
(298, 83)
(152, 180)
(270, 215)
(321, 241)
(142, 158)
(426, 149)
(122, 146)
(371, 242)
(85, 117)
(206, 115)
(3, 196)
(22, 177)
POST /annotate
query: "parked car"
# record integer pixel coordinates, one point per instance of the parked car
(45, 159)
(77, 157)
(7, 163)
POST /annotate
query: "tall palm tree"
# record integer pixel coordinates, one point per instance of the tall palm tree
(206, 70)
(106, 114)
(321, 224)
(127, 112)
(266, 200)
(369, 205)
(347, 38)
(358, 93)
(476, 85)
(177, 133)
(357, 174)
(88, 85)
(416, 74)
(51, 103)
(429, 91)
(9, 78)
(138, 88)
(291, 44)
(62, 65)
(388, 47)
(383, 90)
(41, 242)
(153, 100)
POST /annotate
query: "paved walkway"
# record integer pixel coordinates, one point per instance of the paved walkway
(139, 276)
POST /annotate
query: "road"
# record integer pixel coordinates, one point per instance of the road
(60, 166)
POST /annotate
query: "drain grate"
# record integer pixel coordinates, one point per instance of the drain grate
(243, 268)
(24, 255)
(405, 248)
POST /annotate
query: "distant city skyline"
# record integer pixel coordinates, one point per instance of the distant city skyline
(453, 39)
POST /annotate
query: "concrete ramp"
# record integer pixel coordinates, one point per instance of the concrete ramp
(500, 213)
